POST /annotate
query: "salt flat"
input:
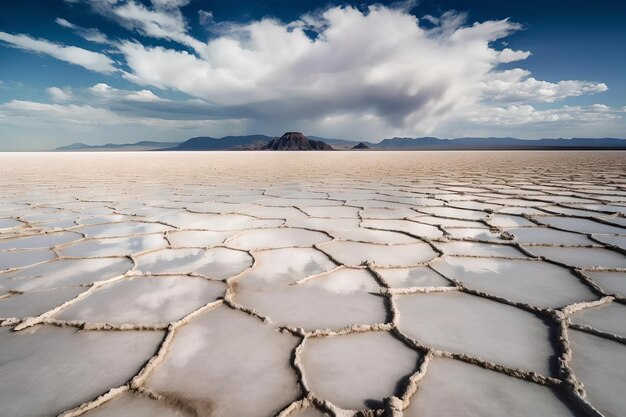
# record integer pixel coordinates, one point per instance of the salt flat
(313, 284)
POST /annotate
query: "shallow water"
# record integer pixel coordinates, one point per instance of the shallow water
(303, 284)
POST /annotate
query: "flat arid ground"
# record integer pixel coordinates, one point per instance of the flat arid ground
(251, 284)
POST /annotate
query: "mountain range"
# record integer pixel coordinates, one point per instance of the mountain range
(258, 142)
(144, 145)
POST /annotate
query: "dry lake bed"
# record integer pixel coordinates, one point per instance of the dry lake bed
(251, 284)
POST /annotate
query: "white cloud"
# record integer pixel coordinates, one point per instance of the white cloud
(525, 114)
(93, 61)
(66, 24)
(508, 55)
(60, 94)
(377, 67)
(70, 113)
(163, 20)
(516, 85)
(342, 72)
(90, 34)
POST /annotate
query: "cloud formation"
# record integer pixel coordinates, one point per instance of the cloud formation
(523, 114)
(378, 63)
(90, 34)
(93, 61)
(349, 68)
(517, 85)
(344, 71)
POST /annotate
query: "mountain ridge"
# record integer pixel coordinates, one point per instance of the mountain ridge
(257, 142)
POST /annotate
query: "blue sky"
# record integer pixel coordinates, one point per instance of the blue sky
(127, 70)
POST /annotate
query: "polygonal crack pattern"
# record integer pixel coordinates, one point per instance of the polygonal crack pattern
(264, 284)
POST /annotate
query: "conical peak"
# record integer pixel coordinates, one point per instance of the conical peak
(296, 141)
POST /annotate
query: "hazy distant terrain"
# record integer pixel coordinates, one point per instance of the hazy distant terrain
(253, 142)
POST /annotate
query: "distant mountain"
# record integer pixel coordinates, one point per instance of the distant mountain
(340, 143)
(144, 145)
(360, 145)
(296, 141)
(206, 143)
(432, 143)
(255, 142)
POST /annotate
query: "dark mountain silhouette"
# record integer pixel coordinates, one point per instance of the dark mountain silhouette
(296, 141)
(360, 145)
(138, 146)
(299, 141)
(340, 143)
(432, 143)
(206, 143)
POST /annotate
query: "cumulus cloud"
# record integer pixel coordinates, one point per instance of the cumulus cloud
(378, 62)
(508, 55)
(517, 85)
(342, 71)
(60, 94)
(378, 66)
(525, 114)
(93, 61)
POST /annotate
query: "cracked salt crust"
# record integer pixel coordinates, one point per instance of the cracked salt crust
(252, 284)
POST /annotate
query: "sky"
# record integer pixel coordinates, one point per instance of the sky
(120, 71)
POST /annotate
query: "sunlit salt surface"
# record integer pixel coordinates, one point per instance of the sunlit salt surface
(114, 246)
(619, 241)
(145, 300)
(39, 241)
(610, 318)
(413, 277)
(357, 371)
(413, 228)
(335, 300)
(122, 229)
(129, 404)
(215, 262)
(17, 259)
(65, 273)
(529, 235)
(66, 368)
(230, 363)
(600, 364)
(197, 238)
(373, 236)
(34, 303)
(453, 388)
(276, 238)
(530, 282)
(479, 249)
(582, 257)
(356, 253)
(610, 282)
(302, 284)
(580, 225)
(485, 329)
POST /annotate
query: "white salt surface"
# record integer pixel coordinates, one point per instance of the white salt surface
(65, 368)
(530, 282)
(357, 371)
(299, 284)
(453, 388)
(600, 364)
(231, 363)
(463, 323)
(145, 300)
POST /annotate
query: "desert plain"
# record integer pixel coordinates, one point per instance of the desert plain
(313, 284)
